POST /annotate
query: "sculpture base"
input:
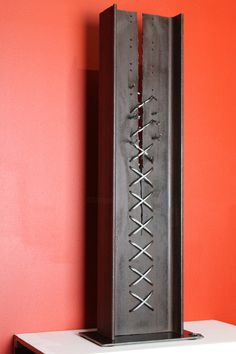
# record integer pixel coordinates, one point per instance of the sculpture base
(97, 338)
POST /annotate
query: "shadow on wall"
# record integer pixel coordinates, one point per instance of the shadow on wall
(91, 170)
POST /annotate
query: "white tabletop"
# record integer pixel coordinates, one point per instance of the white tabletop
(219, 337)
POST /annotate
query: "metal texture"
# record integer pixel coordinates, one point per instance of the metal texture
(140, 201)
(97, 338)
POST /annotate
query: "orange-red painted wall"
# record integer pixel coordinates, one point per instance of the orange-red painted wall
(48, 75)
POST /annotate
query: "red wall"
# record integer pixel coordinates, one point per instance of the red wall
(48, 73)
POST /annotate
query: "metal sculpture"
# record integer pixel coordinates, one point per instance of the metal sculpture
(140, 183)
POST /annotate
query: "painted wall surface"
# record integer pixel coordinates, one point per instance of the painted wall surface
(48, 161)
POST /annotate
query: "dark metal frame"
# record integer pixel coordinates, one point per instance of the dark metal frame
(140, 180)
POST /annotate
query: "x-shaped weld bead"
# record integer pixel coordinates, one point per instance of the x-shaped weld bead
(142, 250)
(142, 302)
(142, 276)
(141, 201)
(141, 226)
(142, 176)
(142, 152)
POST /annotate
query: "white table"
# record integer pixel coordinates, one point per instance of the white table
(219, 337)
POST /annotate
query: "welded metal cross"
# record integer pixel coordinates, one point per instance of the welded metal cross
(143, 302)
(142, 152)
(142, 250)
(141, 201)
(142, 276)
(142, 176)
(141, 226)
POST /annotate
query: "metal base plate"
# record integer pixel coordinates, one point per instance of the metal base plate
(97, 338)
